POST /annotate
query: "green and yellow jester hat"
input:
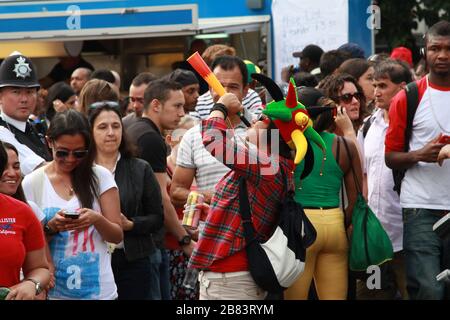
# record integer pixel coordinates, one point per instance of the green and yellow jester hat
(292, 120)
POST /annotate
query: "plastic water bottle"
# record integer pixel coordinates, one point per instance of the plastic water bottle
(191, 278)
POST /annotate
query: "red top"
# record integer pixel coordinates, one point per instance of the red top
(20, 233)
(395, 136)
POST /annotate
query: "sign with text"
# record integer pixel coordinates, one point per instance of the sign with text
(299, 23)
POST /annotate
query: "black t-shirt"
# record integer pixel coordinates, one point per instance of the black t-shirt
(152, 147)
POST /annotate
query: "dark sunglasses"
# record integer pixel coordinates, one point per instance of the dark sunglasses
(79, 154)
(102, 104)
(348, 97)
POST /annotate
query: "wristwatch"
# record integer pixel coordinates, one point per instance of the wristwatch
(49, 231)
(185, 240)
(37, 285)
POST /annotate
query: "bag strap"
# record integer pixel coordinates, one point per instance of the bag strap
(366, 126)
(244, 210)
(412, 102)
(366, 212)
(338, 152)
(358, 186)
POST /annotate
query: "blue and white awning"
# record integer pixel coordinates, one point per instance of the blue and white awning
(103, 19)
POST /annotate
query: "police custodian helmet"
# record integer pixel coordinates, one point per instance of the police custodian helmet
(18, 71)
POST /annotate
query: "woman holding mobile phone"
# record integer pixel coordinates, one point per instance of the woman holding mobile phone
(72, 183)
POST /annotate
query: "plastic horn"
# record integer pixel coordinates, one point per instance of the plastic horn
(197, 62)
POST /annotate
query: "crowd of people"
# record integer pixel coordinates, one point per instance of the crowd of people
(94, 185)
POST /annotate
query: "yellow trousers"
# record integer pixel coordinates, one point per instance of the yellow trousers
(326, 259)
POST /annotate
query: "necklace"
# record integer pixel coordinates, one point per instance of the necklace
(443, 130)
(71, 192)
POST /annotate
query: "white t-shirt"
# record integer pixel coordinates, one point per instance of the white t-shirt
(82, 262)
(427, 185)
(382, 198)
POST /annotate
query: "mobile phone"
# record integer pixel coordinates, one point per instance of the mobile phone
(444, 139)
(71, 214)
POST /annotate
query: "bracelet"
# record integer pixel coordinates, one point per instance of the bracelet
(220, 107)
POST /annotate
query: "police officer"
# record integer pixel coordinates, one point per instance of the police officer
(18, 96)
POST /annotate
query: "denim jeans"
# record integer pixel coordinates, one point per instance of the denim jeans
(423, 249)
(164, 275)
(160, 280)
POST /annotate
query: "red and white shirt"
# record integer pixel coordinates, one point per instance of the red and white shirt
(20, 233)
(426, 185)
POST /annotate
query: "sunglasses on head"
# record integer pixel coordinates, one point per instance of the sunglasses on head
(102, 104)
(348, 97)
(79, 154)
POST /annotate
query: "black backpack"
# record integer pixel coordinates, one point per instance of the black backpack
(412, 102)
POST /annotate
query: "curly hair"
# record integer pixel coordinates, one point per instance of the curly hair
(332, 87)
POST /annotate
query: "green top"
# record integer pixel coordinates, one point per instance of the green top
(320, 190)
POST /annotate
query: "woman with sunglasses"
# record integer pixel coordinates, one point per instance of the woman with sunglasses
(21, 247)
(319, 194)
(140, 201)
(82, 208)
(345, 91)
(362, 70)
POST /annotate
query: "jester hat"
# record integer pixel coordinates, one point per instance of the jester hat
(293, 121)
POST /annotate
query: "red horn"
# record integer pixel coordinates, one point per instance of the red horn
(291, 98)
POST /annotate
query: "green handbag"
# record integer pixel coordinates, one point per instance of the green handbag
(370, 244)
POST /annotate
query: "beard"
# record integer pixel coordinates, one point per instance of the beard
(440, 72)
